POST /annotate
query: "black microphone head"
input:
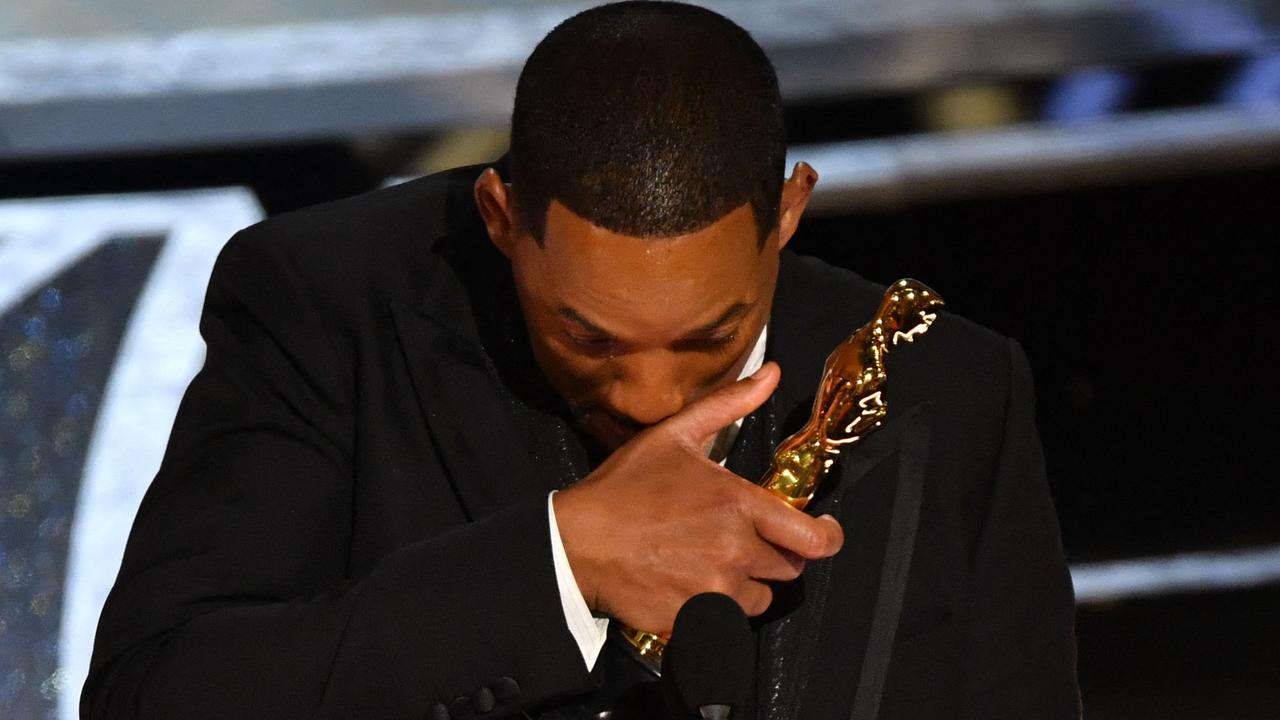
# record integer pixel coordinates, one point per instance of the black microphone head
(710, 659)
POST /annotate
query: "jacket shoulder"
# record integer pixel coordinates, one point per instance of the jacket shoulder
(840, 300)
(394, 219)
(367, 247)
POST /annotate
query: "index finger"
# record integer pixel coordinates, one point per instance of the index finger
(784, 526)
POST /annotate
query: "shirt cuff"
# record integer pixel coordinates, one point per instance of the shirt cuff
(588, 631)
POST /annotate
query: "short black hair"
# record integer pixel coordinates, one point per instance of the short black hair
(648, 119)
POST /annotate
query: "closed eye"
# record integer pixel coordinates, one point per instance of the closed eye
(714, 345)
(594, 345)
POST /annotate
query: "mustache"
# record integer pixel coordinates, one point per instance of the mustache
(583, 412)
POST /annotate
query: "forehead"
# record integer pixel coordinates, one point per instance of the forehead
(650, 281)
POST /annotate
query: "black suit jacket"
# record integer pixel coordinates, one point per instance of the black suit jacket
(350, 518)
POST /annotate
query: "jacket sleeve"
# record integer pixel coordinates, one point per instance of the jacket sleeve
(1021, 654)
(234, 600)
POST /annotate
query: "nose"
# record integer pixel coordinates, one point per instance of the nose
(646, 390)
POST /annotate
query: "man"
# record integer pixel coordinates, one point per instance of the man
(446, 430)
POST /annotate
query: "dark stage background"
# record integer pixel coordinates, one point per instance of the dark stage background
(1096, 179)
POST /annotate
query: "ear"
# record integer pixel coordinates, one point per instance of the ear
(493, 199)
(796, 192)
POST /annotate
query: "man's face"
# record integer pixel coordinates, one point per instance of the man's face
(630, 330)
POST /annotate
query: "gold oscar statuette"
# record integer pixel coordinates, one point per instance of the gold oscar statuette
(847, 407)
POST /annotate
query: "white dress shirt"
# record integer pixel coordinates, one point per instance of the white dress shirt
(588, 630)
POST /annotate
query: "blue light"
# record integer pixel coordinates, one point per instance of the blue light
(1258, 83)
(1088, 94)
(50, 299)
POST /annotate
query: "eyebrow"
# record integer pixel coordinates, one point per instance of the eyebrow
(734, 312)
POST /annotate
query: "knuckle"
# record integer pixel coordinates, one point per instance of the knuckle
(726, 496)
(761, 598)
(735, 504)
(826, 536)
(811, 542)
(666, 433)
(738, 553)
(720, 583)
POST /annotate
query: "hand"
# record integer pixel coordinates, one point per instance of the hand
(658, 522)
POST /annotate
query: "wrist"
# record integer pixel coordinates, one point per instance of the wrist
(568, 512)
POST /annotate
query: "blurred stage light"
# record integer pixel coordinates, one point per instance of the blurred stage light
(1257, 83)
(98, 321)
(1088, 94)
(1103, 582)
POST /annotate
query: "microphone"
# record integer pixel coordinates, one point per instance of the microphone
(708, 665)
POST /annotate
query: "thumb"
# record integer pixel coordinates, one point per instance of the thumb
(698, 421)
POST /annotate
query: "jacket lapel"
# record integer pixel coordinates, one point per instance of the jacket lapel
(821, 627)
(465, 415)
(913, 455)
(491, 424)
